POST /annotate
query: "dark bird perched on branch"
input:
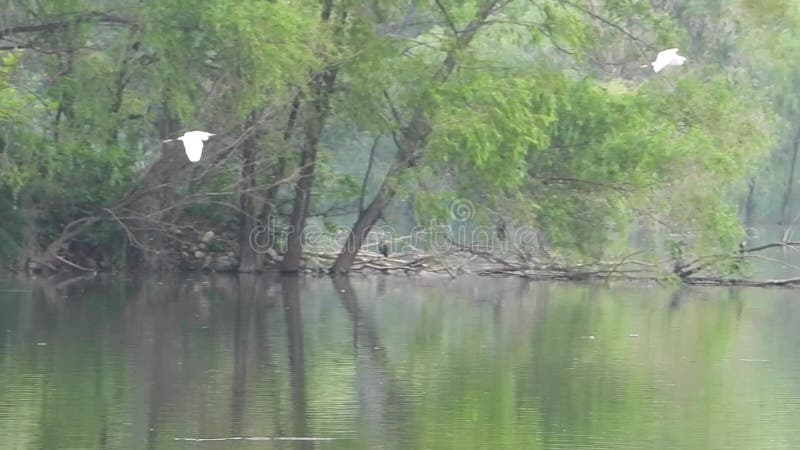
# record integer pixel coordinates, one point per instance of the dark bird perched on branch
(500, 229)
(383, 248)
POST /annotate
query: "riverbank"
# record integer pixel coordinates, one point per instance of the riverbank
(212, 253)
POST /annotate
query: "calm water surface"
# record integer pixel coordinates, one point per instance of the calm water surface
(395, 363)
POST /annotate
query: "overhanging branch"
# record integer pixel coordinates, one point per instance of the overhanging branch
(49, 27)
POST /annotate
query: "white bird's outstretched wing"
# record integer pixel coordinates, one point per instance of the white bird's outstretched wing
(666, 58)
(667, 54)
(193, 143)
(202, 135)
(193, 146)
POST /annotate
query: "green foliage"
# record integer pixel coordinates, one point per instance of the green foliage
(545, 118)
(620, 152)
(487, 125)
(12, 229)
(17, 111)
(265, 47)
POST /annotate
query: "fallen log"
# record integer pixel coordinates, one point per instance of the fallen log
(466, 260)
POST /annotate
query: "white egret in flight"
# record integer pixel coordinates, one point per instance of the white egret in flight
(669, 57)
(193, 143)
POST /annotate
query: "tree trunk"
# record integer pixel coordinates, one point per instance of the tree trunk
(787, 196)
(321, 88)
(314, 124)
(49, 256)
(279, 171)
(412, 139)
(750, 204)
(248, 257)
(302, 191)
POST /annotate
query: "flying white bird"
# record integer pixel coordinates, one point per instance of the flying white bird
(193, 143)
(669, 57)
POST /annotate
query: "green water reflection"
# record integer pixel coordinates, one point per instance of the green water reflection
(395, 363)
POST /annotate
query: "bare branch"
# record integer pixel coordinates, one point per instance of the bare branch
(608, 22)
(96, 17)
(447, 18)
